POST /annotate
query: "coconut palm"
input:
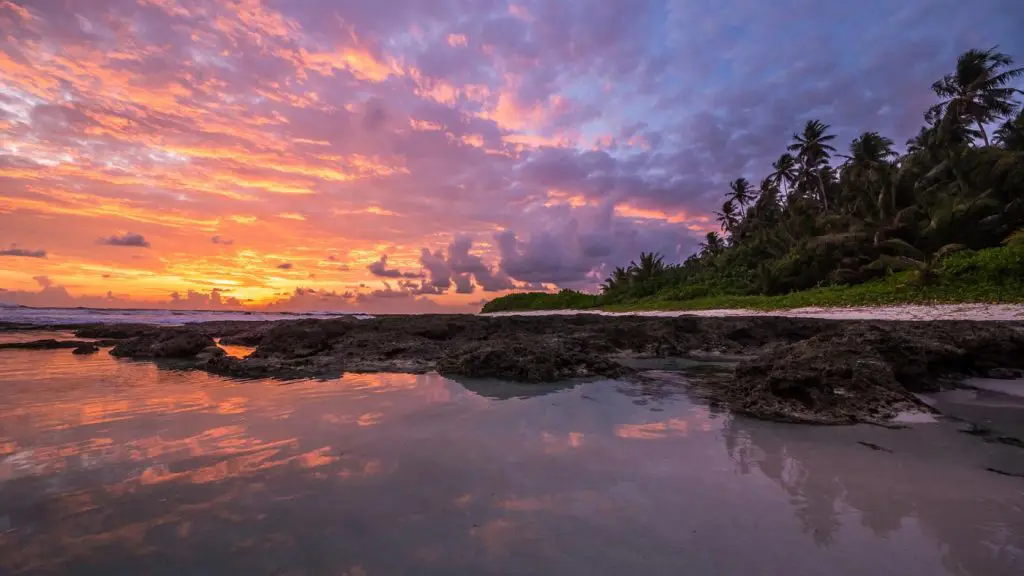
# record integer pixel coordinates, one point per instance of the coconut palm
(813, 152)
(978, 91)
(742, 192)
(727, 217)
(1011, 134)
(712, 244)
(766, 209)
(619, 278)
(870, 152)
(785, 172)
(652, 264)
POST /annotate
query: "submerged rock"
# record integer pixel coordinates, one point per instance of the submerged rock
(86, 349)
(46, 344)
(210, 352)
(166, 343)
(271, 367)
(115, 331)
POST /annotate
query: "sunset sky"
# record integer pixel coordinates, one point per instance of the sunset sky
(419, 155)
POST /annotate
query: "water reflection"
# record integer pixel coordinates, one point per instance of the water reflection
(975, 518)
(114, 466)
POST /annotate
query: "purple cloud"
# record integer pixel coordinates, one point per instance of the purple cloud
(380, 268)
(129, 239)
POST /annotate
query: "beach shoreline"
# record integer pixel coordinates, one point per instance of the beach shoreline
(770, 366)
(902, 312)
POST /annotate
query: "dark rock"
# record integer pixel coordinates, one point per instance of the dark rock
(250, 338)
(210, 352)
(865, 372)
(1003, 374)
(271, 367)
(299, 339)
(86, 349)
(796, 369)
(1005, 473)
(537, 360)
(115, 331)
(875, 447)
(47, 344)
(822, 380)
(166, 343)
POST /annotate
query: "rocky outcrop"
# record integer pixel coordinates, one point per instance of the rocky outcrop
(796, 369)
(271, 367)
(46, 344)
(867, 372)
(115, 331)
(85, 349)
(164, 343)
(528, 360)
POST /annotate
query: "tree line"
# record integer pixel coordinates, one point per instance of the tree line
(822, 216)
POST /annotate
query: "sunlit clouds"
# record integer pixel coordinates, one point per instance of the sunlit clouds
(409, 156)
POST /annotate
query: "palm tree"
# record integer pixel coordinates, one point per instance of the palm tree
(651, 266)
(870, 151)
(978, 90)
(1011, 134)
(742, 193)
(619, 278)
(727, 217)
(869, 164)
(712, 244)
(766, 209)
(785, 172)
(813, 151)
(908, 257)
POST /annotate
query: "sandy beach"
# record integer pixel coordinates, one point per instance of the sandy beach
(915, 312)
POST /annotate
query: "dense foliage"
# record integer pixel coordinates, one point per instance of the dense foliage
(821, 218)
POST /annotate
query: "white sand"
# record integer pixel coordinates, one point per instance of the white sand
(902, 312)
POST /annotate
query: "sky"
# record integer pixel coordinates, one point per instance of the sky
(419, 155)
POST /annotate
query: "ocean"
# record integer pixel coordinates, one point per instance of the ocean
(25, 315)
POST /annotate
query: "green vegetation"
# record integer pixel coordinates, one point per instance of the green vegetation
(564, 300)
(876, 228)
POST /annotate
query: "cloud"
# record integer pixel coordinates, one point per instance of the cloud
(380, 268)
(285, 266)
(127, 239)
(466, 270)
(15, 251)
(380, 301)
(212, 300)
(561, 137)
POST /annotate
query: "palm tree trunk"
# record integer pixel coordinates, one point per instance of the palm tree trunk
(984, 136)
(821, 187)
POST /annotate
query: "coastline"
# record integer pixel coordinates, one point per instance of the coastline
(900, 312)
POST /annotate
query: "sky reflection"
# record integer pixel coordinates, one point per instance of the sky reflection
(127, 467)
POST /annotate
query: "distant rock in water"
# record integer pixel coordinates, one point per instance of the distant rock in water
(210, 352)
(86, 349)
(164, 343)
(47, 344)
(115, 331)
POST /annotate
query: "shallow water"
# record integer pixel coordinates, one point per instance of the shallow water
(115, 466)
